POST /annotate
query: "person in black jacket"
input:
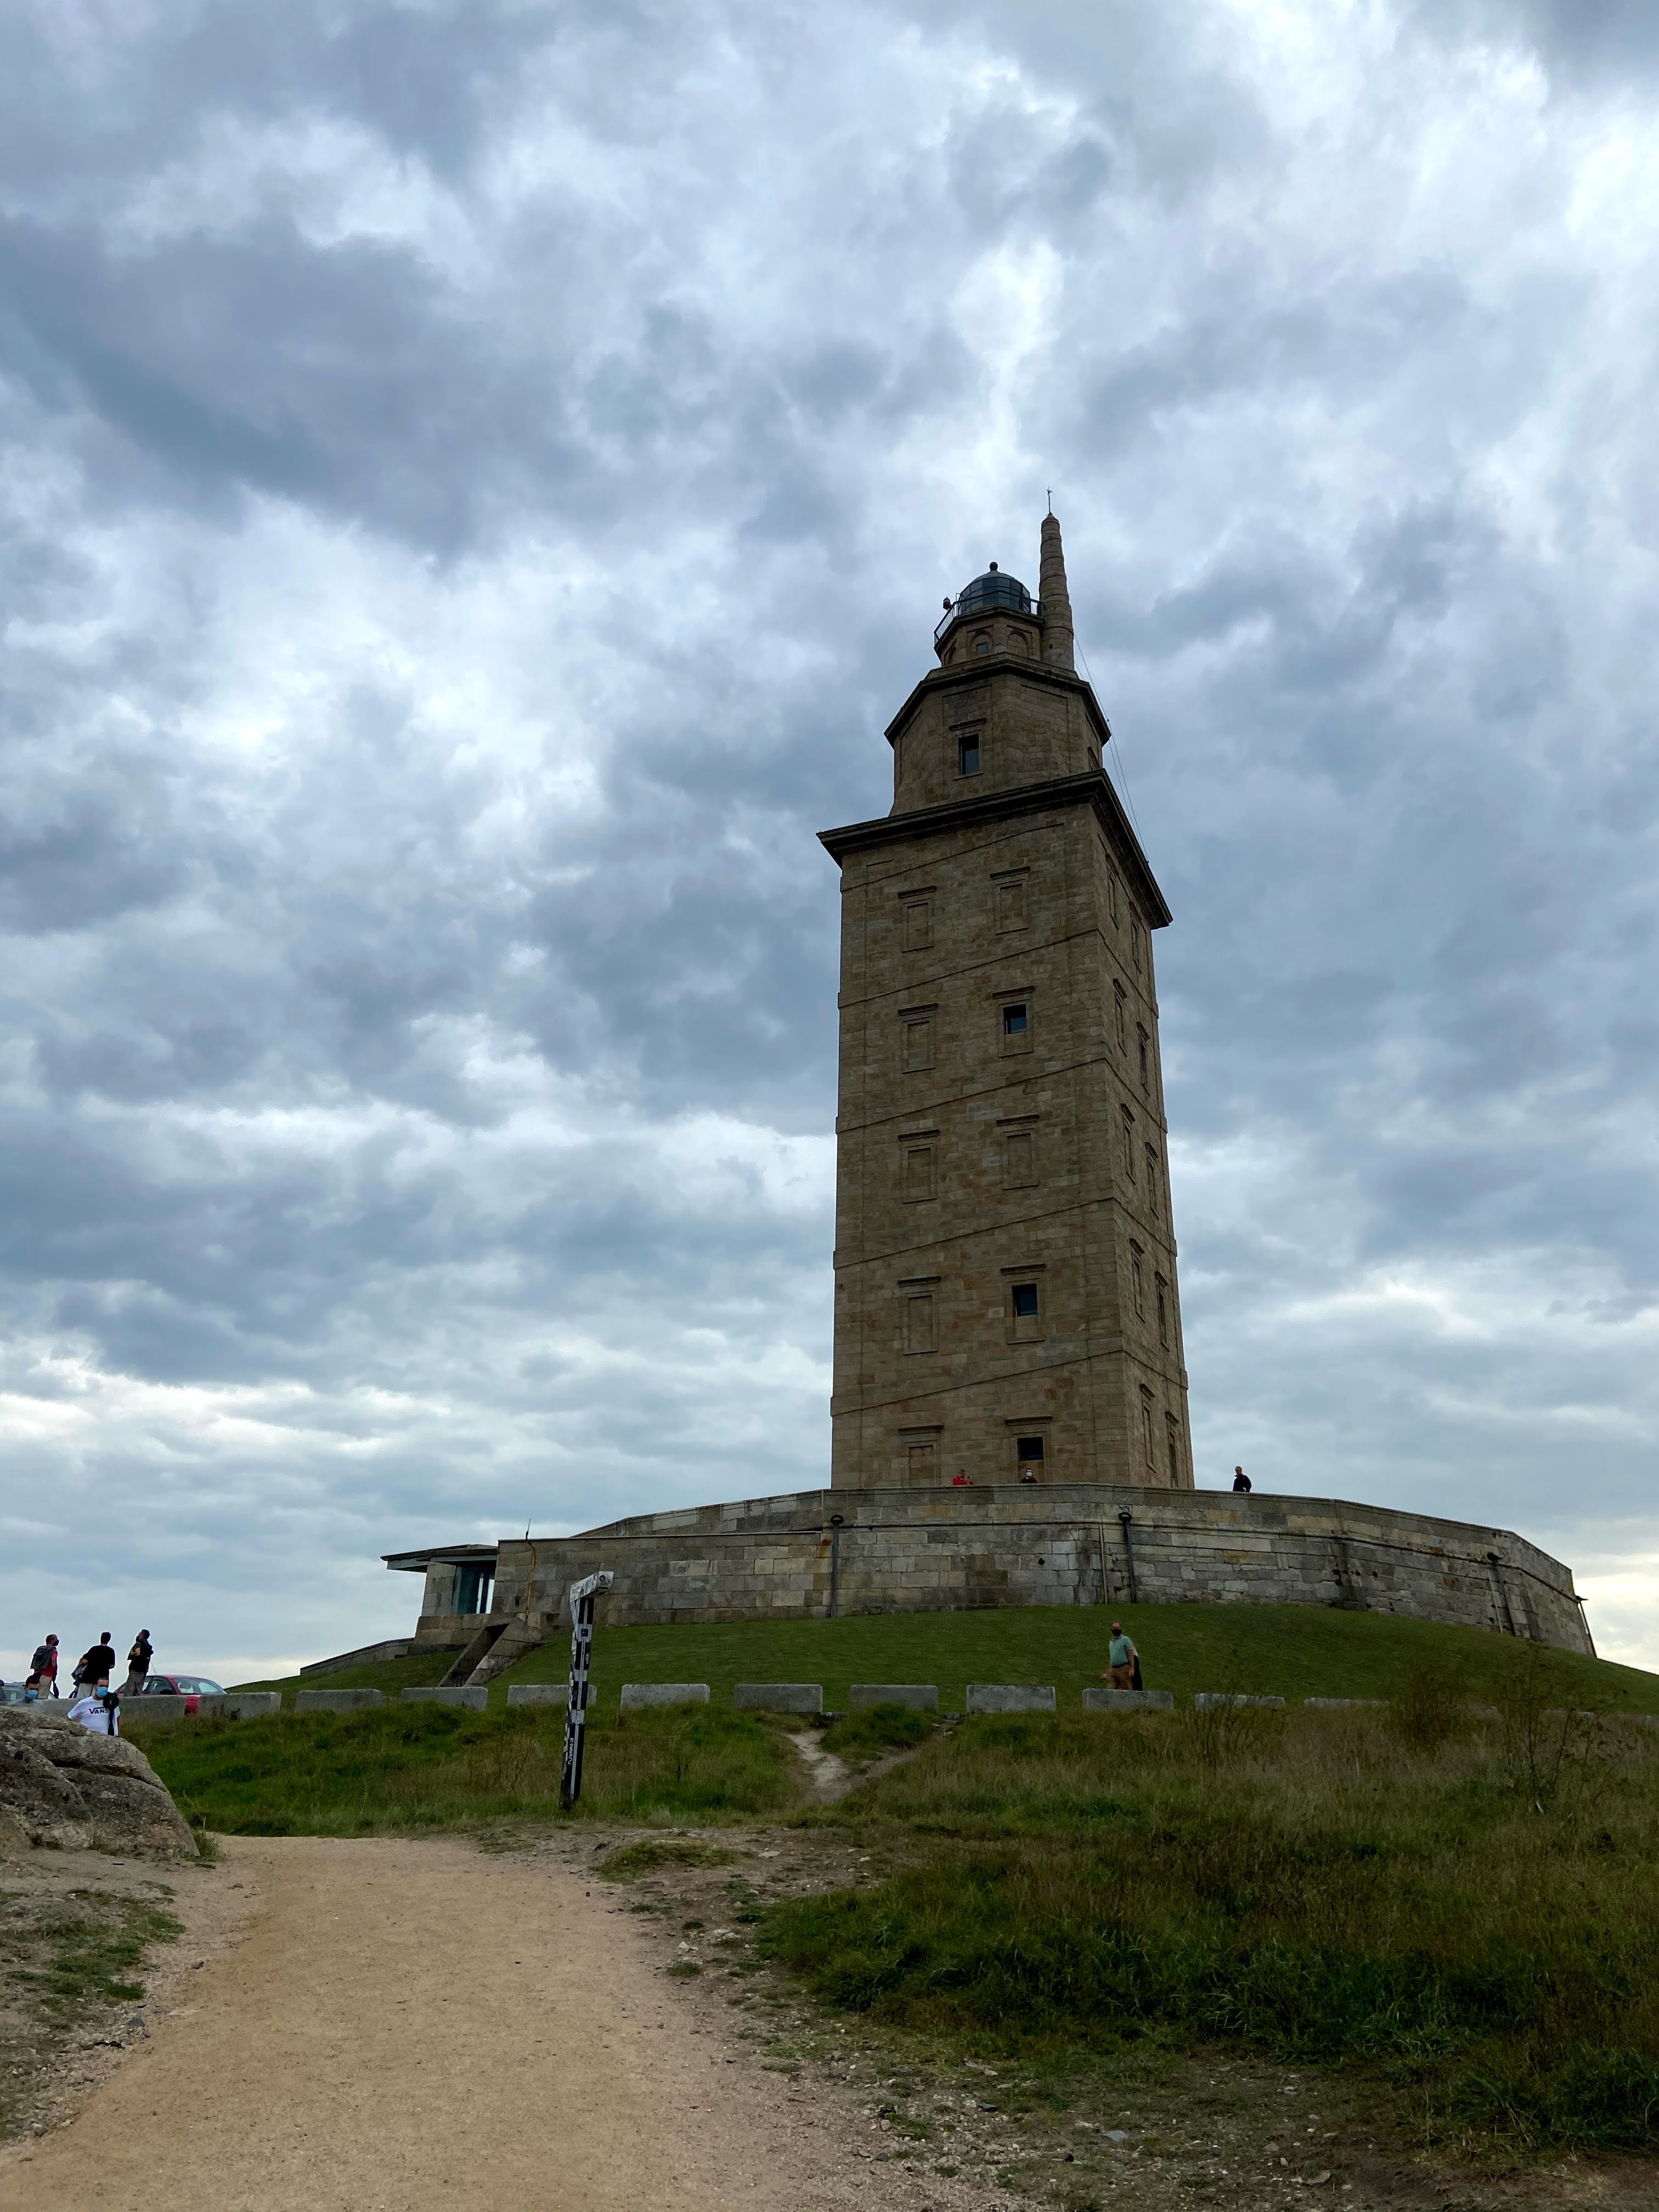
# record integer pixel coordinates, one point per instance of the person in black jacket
(1241, 1480)
(140, 1661)
(93, 1667)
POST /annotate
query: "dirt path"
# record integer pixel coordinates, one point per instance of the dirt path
(412, 2025)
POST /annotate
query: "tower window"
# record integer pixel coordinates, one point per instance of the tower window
(1145, 1071)
(967, 752)
(1019, 1165)
(1134, 939)
(1137, 1280)
(918, 925)
(918, 1173)
(1013, 1021)
(1146, 1424)
(920, 1323)
(917, 1039)
(982, 644)
(1111, 894)
(1162, 1312)
(1119, 1009)
(1129, 1143)
(1172, 1433)
(1028, 1458)
(473, 1587)
(1011, 904)
(921, 1462)
(1152, 1181)
(1026, 1301)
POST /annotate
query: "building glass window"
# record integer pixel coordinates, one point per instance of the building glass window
(1129, 1143)
(1120, 1013)
(1146, 1424)
(1028, 1458)
(1162, 1312)
(474, 1584)
(967, 752)
(1026, 1301)
(1014, 1021)
(1137, 1280)
(1172, 1437)
(1152, 1181)
(1145, 1071)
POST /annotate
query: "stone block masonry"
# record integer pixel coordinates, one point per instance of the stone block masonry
(813, 1554)
(1209, 1701)
(336, 1701)
(1008, 1697)
(638, 1695)
(778, 1696)
(470, 1698)
(546, 1693)
(1129, 1701)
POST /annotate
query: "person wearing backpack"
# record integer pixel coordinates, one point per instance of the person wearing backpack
(44, 1665)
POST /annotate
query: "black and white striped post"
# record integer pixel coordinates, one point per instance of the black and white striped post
(582, 1595)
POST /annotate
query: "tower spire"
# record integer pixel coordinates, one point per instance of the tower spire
(1056, 600)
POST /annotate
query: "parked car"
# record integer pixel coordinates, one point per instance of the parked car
(193, 1688)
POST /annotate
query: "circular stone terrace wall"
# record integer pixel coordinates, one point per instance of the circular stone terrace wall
(820, 1553)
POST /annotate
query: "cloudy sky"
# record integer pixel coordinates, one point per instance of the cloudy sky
(477, 480)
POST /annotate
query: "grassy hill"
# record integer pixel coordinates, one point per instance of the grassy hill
(1290, 1652)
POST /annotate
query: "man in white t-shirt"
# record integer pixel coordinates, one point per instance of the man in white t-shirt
(102, 1714)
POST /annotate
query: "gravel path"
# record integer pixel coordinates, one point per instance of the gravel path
(408, 2025)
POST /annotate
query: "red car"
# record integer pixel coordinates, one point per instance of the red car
(193, 1688)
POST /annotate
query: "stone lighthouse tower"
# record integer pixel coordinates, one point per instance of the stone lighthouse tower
(1006, 1299)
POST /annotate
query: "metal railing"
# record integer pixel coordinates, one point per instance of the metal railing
(988, 607)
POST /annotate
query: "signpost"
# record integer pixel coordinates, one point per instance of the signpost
(582, 1595)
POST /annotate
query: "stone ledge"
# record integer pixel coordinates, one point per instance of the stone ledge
(778, 1696)
(1129, 1701)
(917, 1697)
(636, 1696)
(472, 1697)
(1008, 1697)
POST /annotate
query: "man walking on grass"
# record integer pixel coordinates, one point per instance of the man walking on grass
(1122, 1656)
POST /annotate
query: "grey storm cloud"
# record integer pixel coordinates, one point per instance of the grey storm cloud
(477, 480)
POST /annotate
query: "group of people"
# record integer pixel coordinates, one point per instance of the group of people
(92, 1700)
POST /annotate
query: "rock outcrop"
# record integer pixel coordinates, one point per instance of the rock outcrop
(62, 1787)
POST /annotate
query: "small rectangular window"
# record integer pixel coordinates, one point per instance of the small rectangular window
(1120, 1013)
(1172, 1432)
(1010, 904)
(920, 1323)
(918, 925)
(921, 1462)
(1129, 1143)
(1028, 1458)
(967, 752)
(1162, 1312)
(1111, 893)
(918, 1177)
(918, 1036)
(1152, 1181)
(1134, 939)
(1019, 1165)
(1146, 1073)
(1146, 1425)
(1013, 1021)
(1137, 1280)
(1026, 1301)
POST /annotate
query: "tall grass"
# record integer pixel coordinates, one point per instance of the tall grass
(408, 1767)
(1316, 1886)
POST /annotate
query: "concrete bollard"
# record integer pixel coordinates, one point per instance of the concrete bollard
(545, 1693)
(246, 1704)
(1208, 1701)
(1340, 1704)
(336, 1701)
(1008, 1697)
(918, 1697)
(637, 1695)
(1129, 1701)
(778, 1696)
(472, 1697)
